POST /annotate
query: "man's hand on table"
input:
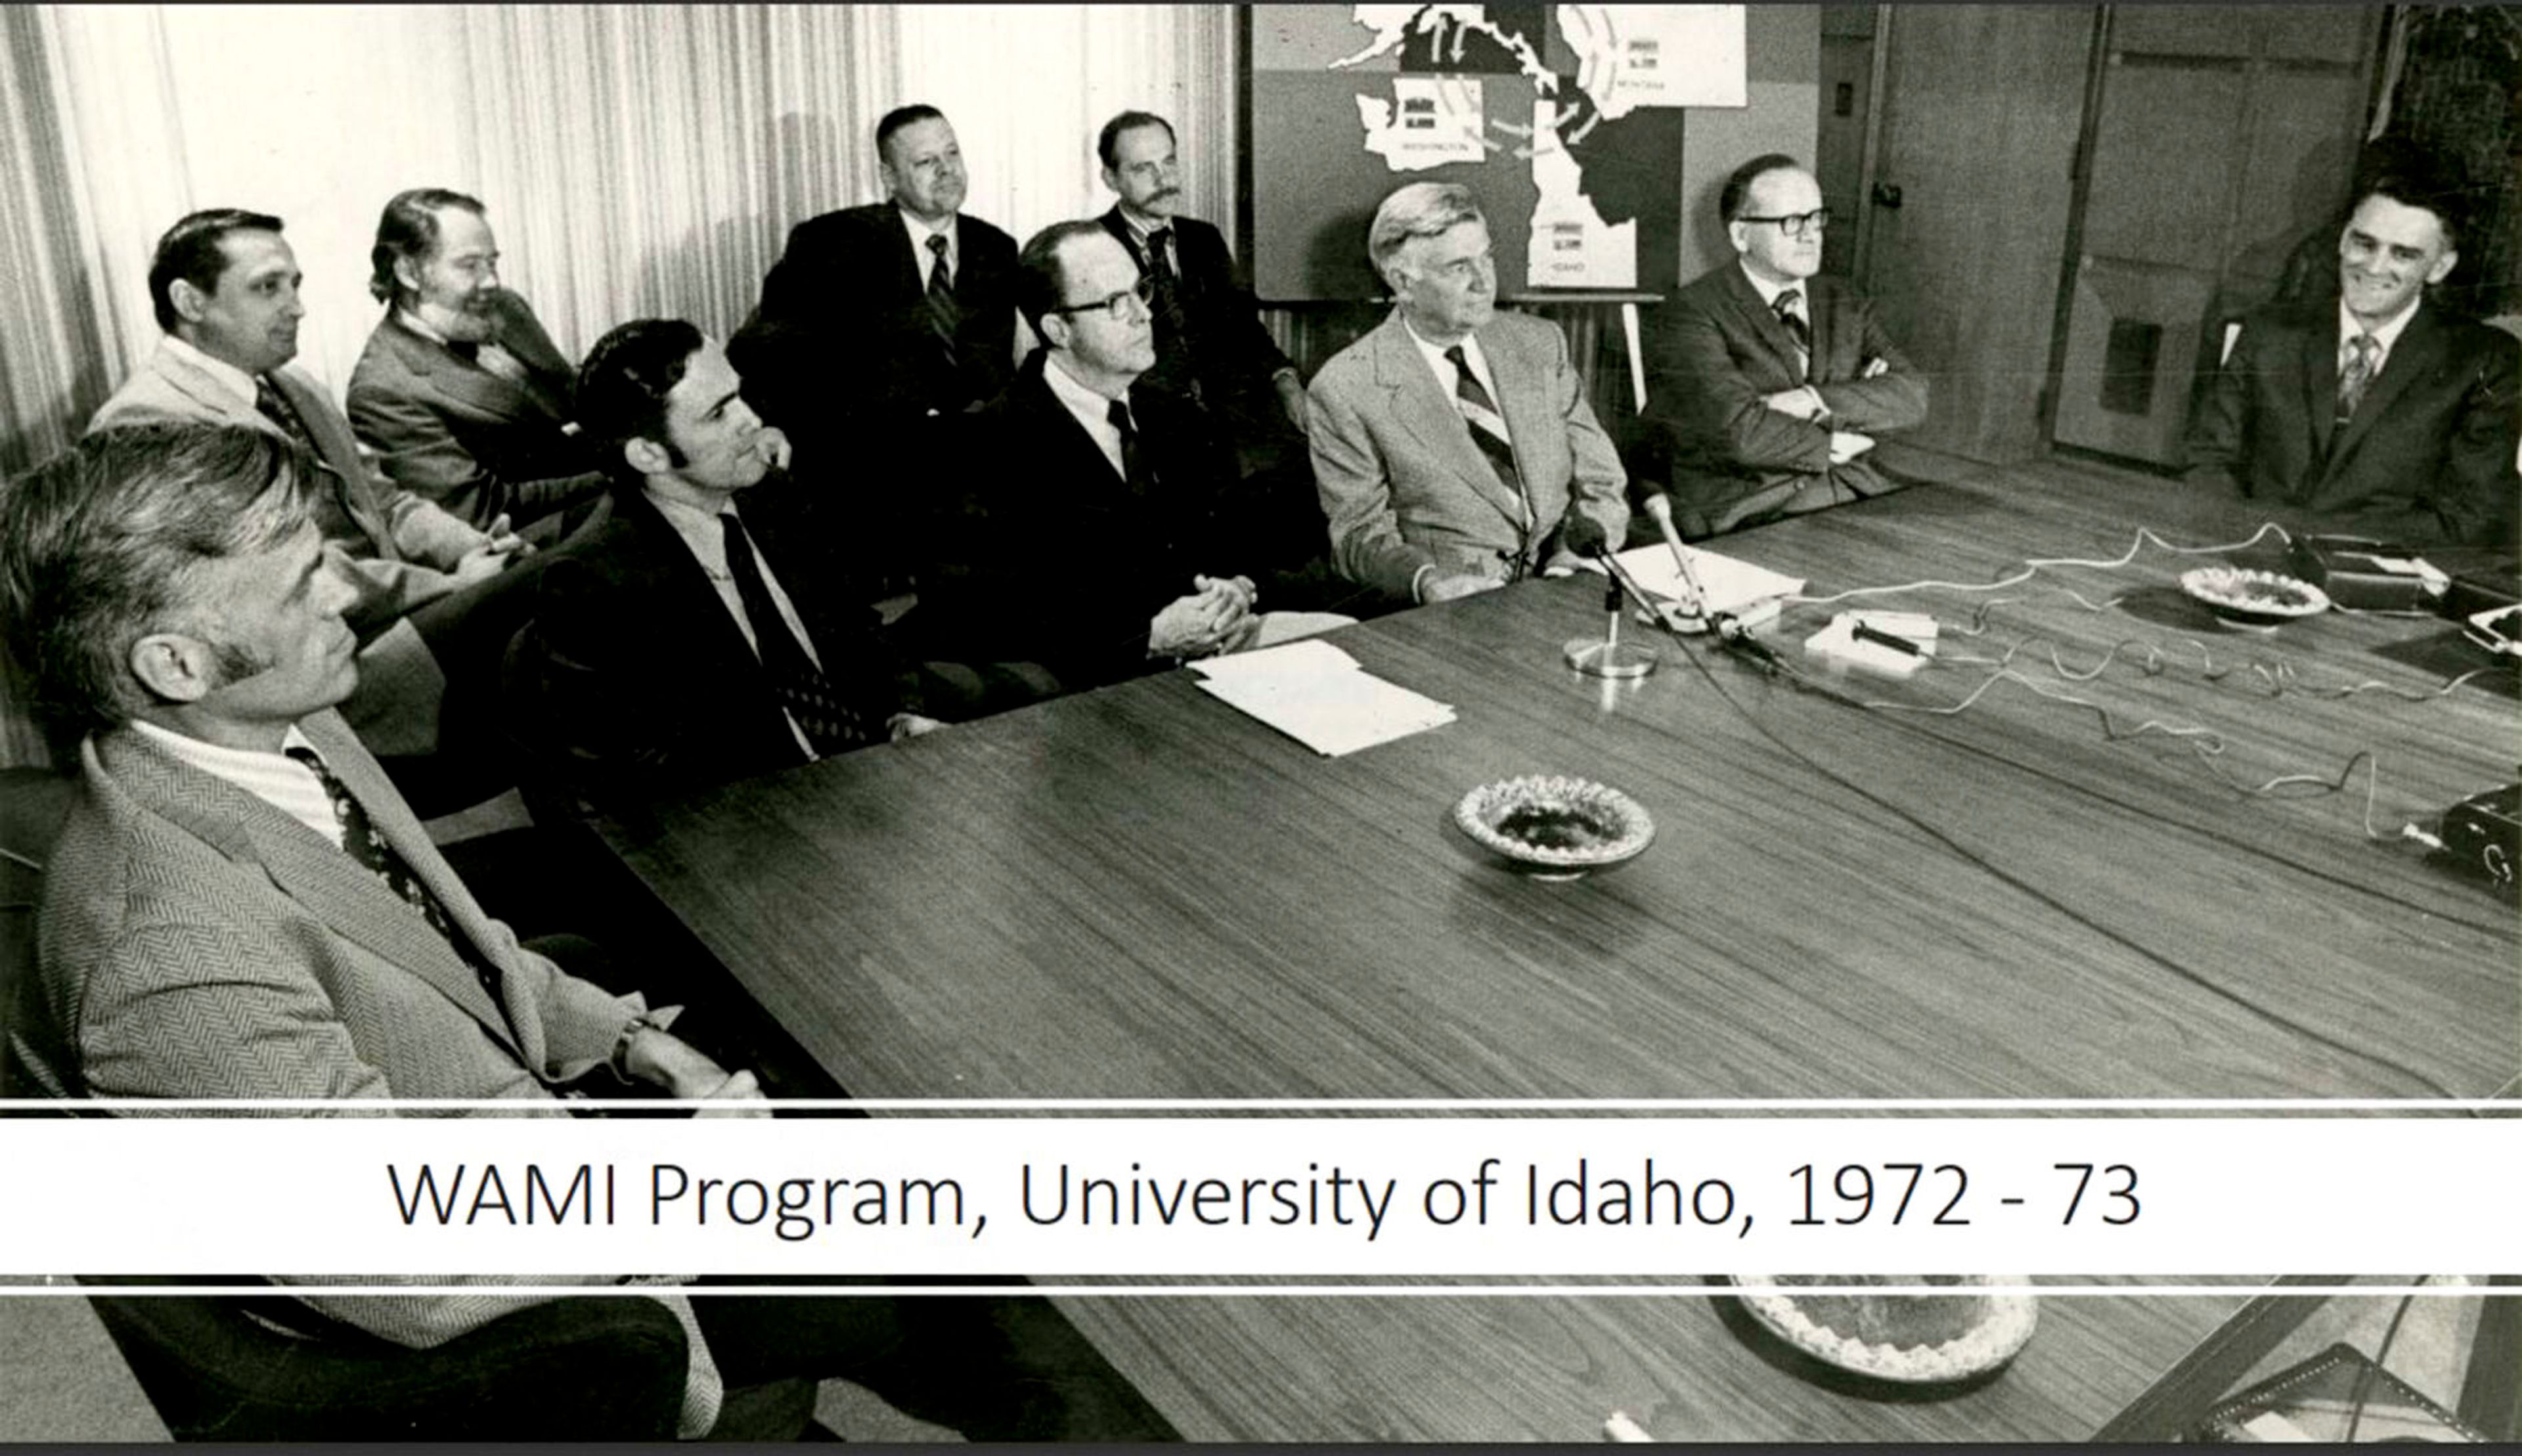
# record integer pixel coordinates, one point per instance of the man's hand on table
(1446, 587)
(1215, 618)
(664, 1059)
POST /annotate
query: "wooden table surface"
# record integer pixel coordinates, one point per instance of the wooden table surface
(1139, 892)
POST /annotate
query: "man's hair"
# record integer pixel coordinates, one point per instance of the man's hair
(1419, 209)
(1107, 143)
(407, 229)
(1042, 281)
(622, 388)
(105, 543)
(1738, 183)
(193, 249)
(899, 118)
(2414, 178)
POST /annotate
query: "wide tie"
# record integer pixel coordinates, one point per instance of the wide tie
(273, 405)
(1134, 456)
(1487, 425)
(363, 843)
(2354, 379)
(1790, 312)
(944, 317)
(829, 722)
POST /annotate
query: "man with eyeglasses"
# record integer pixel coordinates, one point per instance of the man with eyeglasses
(1102, 534)
(1768, 383)
(1452, 443)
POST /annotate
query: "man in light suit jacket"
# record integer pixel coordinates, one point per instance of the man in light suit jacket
(1450, 444)
(1768, 383)
(240, 905)
(224, 284)
(2375, 413)
(459, 390)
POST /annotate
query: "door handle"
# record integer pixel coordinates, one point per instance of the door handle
(1887, 195)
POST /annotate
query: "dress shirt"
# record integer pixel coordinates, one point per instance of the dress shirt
(1448, 378)
(707, 540)
(1092, 410)
(489, 354)
(234, 380)
(920, 232)
(1768, 293)
(2383, 335)
(281, 781)
(1143, 228)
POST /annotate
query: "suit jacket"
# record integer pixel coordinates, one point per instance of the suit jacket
(387, 543)
(1056, 560)
(2427, 458)
(1216, 350)
(1729, 460)
(634, 683)
(1402, 483)
(843, 337)
(475, 442)
(198, 942)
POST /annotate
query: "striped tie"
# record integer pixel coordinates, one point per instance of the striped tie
(830, 720)
(942, 316)
(2357, 377)
(1488, 427)
(1790, 312)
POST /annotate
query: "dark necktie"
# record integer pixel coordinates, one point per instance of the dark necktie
(1160, 264)
(467, 351)
(1133, 458)
(942, 316)
(1488, 427)
(273, 405)
(1790, 312)
(2354, 379)
(362, 842)
(830, 723)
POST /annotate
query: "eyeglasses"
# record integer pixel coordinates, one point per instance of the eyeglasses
(1144, 291)
(1794, 225)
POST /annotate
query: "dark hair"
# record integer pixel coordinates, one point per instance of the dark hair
(1106, 143)
(622, 388)
(899, 118)
(193, 249)
(408, 229)
(2414, 178)
(102, 545)
(1041, 283)
(1738, 183)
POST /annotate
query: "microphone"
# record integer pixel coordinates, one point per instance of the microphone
(1692, 614)
(1610, 657)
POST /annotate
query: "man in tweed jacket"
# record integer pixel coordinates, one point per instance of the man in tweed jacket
(240, 906)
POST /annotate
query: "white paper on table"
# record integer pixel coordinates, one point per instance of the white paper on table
(1733, 585)
(1317, 694)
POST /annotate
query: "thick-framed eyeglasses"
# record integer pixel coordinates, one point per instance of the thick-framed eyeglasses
(1796, 224)
(1118, 305)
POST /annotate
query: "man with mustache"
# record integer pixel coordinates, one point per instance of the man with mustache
(459, 390)
(2376, 412)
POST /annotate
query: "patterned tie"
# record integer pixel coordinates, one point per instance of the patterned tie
(1488, 427)
(273, 405)
(362, 842)
(1133, 459)
(830, 723)
(942, 314)
(2354, 379)
(1790, 312)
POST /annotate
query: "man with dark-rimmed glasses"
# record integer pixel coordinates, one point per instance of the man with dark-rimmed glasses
(1768, 383)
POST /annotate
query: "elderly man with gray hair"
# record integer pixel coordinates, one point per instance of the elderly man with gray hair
(1452, 443)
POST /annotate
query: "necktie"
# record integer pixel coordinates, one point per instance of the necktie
(1790, 312)
(465, 349)
(830, 723)
(1488, 427)
(2354, 379)
(362, 842)
(273, 405)
(1160, 263)
(942, 314)
(1133, 459)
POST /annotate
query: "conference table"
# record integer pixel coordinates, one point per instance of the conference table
(1139, 892)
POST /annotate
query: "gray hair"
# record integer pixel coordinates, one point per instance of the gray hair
(1419, 209)
(105, 543)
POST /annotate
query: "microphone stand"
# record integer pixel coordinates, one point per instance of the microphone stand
(1611, 657)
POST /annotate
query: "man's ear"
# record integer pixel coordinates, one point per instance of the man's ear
(1055, 330)
(406, 274)
(1740, 235)
(189, 300)
(175, 666)
(2444, 266)
(646, 455)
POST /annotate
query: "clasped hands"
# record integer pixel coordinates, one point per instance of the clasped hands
(1805, 403)
(1216, 618)
(659, 1057)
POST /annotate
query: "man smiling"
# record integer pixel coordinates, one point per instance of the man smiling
(2376, 412)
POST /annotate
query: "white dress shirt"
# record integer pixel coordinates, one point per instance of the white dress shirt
(920, 232)
(2384, 335)
(1769, 293)
(277, 780)
(1092, 410)
(705, 539)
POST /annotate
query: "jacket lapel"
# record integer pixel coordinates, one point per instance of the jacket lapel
(1415, 399)
(2320, 380)
(1761, 322)
(2412, 353)
(482, 389)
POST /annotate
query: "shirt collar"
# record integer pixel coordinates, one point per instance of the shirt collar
(920, 232)
(1435, 353)
(698, 524)
(2387, 334)
(1082, 401)
(1769, 291)
(234, 380)
(1140, 227)
(218, 757)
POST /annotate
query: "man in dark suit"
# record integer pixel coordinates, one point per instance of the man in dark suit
(878, 317)
(1103, 531)
(1452, 443)
(1768, 383)
(2376, 413)
(684, 641)
(240, 905)
(459, 390)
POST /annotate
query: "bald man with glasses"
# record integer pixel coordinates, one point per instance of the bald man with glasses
(1768, 384)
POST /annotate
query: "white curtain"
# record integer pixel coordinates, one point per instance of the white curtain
(635, 160)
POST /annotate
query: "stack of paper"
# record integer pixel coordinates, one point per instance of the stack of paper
(1315, 695)
(1733, 585)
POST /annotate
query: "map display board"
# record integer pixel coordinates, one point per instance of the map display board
(1566, 119)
